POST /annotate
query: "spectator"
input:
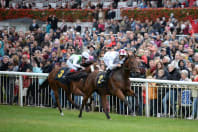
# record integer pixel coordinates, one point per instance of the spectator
(25, 64)
(78, 26)
(1, 47)
(195, 59)
(110, 13)
(48, 27)
(182, 66)
(101, 26)
(195, 99)
(176, 59)
(171, 94)
(53, 20)
(34, 26)
(152, 92)
(160, 66)
(152, 68)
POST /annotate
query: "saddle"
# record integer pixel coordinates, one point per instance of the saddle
(102, 79)
(62, 74)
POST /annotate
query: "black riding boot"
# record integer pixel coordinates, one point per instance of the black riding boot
(107, 77)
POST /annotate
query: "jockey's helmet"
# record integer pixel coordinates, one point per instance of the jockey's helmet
(85, 55)
(123, 52)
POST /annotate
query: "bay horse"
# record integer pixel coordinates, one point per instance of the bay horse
(118, 84)
(74, 86)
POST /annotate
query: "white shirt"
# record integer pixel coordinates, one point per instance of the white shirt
(109, 59)
(74, 61)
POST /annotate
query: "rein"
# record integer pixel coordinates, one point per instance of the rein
(126, 68)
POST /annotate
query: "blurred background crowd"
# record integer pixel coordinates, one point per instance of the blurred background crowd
(95, 4)
(165, 48)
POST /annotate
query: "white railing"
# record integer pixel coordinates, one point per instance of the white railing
(19, 75)
(137, 85)
(168, 82)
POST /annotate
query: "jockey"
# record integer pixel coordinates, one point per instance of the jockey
(75, 60)
(113, 60)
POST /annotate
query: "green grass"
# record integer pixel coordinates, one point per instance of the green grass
(34, 119)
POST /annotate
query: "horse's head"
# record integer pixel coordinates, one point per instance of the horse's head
(131, 64)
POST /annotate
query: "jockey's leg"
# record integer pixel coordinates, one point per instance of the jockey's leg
(106, 78)
(107, 75)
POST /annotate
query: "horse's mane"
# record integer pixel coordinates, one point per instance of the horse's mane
(86, 64)
(78, 75)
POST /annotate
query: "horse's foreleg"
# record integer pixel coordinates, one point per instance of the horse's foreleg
(121, 96)
(77, 91)
(85, 98)
(58, 102)
(83, 104)
(104, 104)
(88, 105)
(130, 92)
(71, 101)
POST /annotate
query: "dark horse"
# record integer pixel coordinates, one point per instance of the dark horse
(77, 81)
(118, 84)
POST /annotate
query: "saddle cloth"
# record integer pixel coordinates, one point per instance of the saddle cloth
(61, 75)
(100, 80)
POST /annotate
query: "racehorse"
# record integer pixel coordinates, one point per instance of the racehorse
(77, 81)
(118, 84)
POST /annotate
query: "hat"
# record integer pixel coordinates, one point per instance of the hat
(185, 51)
(5, 56)
(163, 49)
(91, 46)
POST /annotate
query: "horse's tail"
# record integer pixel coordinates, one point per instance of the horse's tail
(43, 85)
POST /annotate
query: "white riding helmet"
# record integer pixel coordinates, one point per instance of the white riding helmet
(122, 52)
(85, 55)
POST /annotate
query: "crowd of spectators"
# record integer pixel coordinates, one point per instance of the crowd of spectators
(88, 4)
(161, 53)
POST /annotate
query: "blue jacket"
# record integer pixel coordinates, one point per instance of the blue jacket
(2, 48)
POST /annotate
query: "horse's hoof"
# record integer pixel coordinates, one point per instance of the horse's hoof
(78, 107)
(62, 114)
(87, 110)
(80, 116)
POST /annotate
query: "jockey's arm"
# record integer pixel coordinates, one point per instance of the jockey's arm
(112, 65)
(115, 63)
(75, 62)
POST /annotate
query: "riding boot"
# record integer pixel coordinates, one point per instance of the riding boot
(107, 77)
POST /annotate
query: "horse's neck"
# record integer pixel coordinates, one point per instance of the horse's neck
(125, 73)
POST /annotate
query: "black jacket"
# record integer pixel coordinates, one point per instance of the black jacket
(4, 67)
(174, 75)
(33, 28)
